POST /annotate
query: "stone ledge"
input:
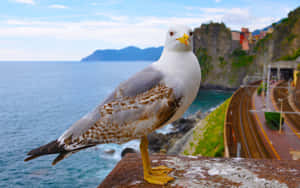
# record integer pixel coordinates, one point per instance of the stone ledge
(207, 172)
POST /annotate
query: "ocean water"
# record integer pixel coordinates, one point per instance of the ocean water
(39, 100)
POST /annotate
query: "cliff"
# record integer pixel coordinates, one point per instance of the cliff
(207, 172)
(225, 65)
(130, 53)
(283, 43)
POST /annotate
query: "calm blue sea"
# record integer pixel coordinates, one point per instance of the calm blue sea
(39, 100)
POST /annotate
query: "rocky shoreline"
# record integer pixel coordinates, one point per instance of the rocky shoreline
(172, 142)
(217, 87)
(163, 143)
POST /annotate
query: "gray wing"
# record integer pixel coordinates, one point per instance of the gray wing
(138, 83)
(139, 100)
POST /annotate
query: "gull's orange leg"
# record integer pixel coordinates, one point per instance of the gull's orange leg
(157, 175)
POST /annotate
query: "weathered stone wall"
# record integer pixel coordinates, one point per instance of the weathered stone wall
(207, 172)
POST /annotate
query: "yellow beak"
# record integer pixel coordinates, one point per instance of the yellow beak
(184, 39)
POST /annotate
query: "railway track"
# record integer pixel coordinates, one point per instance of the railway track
(243, 138)
(282, 93)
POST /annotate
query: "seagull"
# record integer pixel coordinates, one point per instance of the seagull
(150, 99)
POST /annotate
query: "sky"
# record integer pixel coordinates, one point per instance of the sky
(71, 29)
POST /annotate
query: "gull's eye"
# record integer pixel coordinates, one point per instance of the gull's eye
(171, 33)
(191, 33)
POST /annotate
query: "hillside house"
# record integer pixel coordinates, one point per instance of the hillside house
(235, 35)
(244, 38)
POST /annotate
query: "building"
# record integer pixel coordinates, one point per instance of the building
(244, 38)
(262, 34)
(251, 38)
(235, 35)
(270, 30)
(246, 32)
(284, 70)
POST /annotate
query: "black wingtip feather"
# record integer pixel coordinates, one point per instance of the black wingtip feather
(50, 148)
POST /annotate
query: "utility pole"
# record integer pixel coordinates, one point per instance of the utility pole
(263, 84)
(268, 87)
(280, 123)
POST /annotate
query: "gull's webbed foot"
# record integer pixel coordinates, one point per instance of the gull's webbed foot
(161, 179)
(160, 170)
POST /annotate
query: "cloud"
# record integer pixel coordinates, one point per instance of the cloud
(114, 31)
(31, 2)
(216, 10)
(105, 3)
(113, 17)
(122, 30)
(234, 18)
(58, 6)
(218, 1)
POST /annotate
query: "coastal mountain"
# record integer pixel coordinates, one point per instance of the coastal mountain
(130, 53)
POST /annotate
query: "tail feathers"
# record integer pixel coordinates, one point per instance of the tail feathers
(50, 148)
(53, 148)
(66, 154)
(62, 156)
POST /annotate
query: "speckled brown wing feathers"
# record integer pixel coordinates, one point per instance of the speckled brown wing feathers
(129, 118)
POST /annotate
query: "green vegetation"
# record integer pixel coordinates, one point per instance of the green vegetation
(205, 62)
(298, 67)
(292, 56)
(273, 120)
(283, 38)
(260, 89)
(241, 58)
(285, 28)
(222, 61)
(211, 144)
(212, 24)
(261, 44)
(291, 37)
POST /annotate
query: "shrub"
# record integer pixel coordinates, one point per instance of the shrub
(292, 56)
(261, 44)
(205, 62)
(241, 58)
(260, 89)
(222, 61)
(273, 120)
(291, 37)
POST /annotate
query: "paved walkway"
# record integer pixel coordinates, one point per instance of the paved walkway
(285, 145)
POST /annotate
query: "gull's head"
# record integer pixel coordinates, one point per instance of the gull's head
(179, 38)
